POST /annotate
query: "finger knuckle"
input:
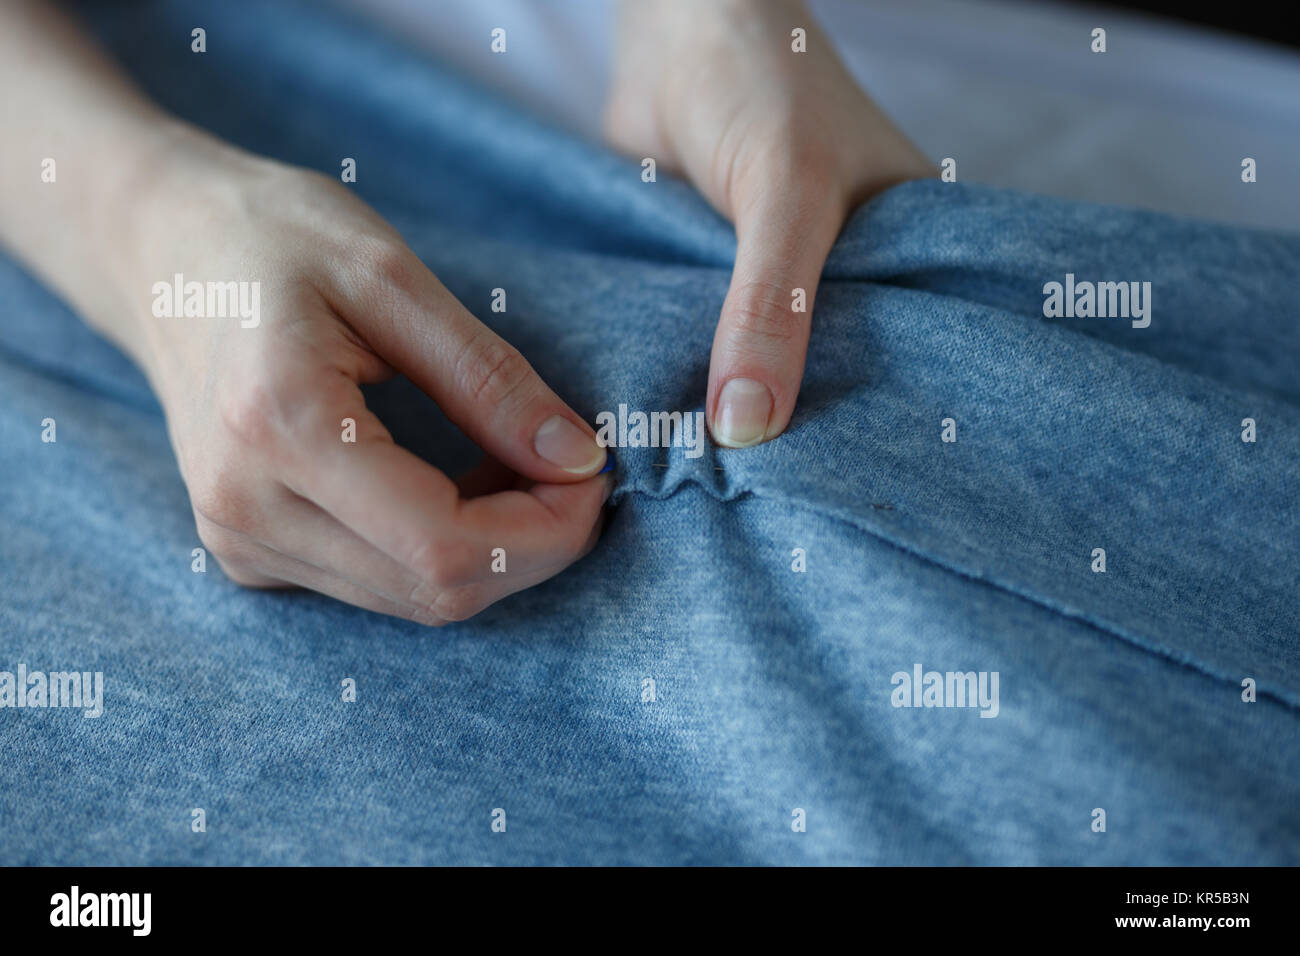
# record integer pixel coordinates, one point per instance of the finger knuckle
(221, 514)
(492, 371)
(386, 261)
(251, 414)
(763, 310)
(458, 604)
(420, 605)
(440, 565)
(281, 414)
(234, 553)
(246, 576)
(324, 410)
(424, 614)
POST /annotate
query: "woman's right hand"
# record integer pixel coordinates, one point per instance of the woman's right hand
(256, 414)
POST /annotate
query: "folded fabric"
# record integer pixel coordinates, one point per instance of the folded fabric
(740, 672)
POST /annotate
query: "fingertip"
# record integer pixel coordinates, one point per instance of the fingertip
(569, 447)
(574, 502)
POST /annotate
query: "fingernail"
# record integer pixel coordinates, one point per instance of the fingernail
(563, 443)
(743, 410)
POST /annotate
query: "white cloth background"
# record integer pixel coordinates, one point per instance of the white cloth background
(1009, 89)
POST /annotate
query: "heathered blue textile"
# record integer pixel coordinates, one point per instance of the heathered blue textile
(1119, 690)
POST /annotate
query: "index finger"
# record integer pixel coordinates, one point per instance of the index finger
(414, 513)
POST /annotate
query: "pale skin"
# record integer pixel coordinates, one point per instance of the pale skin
(783, 144)
(783, 148)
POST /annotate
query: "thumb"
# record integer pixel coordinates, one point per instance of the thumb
(783, 237)
(480, 381)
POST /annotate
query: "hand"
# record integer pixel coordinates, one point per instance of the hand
(783, 144)
(256, 414)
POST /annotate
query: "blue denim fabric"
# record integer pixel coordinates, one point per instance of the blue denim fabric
(1119, 691)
